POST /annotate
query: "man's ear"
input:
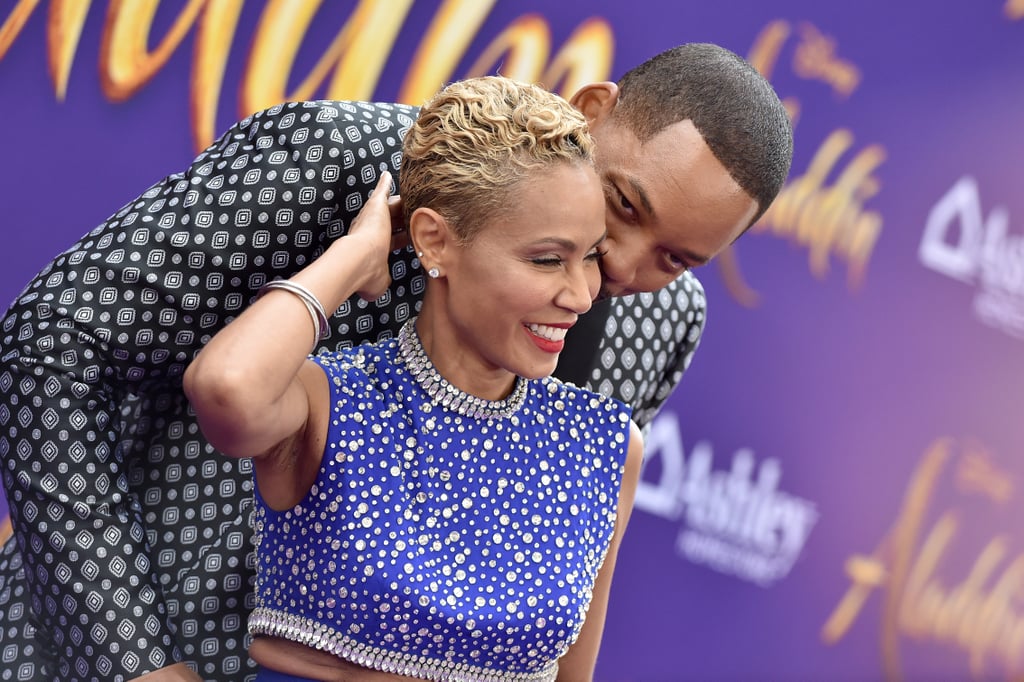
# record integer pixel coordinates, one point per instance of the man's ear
(430, 235)
(596, 100)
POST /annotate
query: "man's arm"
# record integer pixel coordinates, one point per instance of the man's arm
(120, 315)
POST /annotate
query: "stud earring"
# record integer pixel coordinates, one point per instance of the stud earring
(419, 254)
(433, 273)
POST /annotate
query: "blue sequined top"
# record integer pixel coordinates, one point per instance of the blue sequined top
(446, 537)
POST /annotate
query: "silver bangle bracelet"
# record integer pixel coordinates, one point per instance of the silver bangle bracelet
(321, 324)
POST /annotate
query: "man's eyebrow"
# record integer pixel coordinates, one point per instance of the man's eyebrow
(694, 259)
(641, 194)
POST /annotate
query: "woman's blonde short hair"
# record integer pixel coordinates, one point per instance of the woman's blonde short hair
(476, 139)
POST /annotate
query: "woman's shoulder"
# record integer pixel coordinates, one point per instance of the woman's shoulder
(582, 399)
(590, 418)
(368, 359)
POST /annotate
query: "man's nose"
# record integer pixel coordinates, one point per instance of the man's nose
(618, 264)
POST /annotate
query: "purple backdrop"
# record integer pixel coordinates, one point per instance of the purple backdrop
(831, 493)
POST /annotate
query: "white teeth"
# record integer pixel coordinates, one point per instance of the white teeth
(549, 333)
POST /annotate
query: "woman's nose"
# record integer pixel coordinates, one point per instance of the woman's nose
(580, 288)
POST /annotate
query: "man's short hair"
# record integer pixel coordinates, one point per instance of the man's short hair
(732, 106)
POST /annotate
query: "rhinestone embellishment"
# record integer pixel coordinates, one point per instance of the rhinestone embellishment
(437, 545)
(445, 394)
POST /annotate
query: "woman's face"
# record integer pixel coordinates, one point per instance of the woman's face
(521, 282)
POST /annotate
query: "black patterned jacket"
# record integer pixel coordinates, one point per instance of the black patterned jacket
(133, 544)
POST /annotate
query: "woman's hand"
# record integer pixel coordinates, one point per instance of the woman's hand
(399, 234)
(271, 340)
(373, 227)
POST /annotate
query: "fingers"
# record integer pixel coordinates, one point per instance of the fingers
(395, 207)
(378, 205)
(383, 189)
(397, 216)
(399, 235)
(381, 194)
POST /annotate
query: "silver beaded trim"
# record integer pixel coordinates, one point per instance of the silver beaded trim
(443, 393)
(264, 621)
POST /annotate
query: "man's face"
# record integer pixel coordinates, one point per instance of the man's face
(671, 205)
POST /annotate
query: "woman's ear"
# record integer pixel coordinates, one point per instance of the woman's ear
(430, 235)
(596, 100)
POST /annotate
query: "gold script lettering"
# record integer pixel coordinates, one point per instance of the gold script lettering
(213, 43)
(831, 218)
(815, 57)
(976, 473)
(763, 56)
(868, 573)
(444, 43)
(64, 28)
(358, 52)
(519, 51)
(586, 57)
(978, 614)
(524, 46)
(126, 63)
(63, 33)
(14, 22)
(826, 219)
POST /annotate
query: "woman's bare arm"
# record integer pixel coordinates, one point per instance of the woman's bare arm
(252, 386)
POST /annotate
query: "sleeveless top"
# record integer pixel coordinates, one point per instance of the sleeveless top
(446, 537)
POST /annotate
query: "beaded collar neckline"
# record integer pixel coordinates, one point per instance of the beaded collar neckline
(444, 394)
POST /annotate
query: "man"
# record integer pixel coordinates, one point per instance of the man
(133, 533)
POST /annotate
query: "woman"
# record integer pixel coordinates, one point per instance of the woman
(434, 507)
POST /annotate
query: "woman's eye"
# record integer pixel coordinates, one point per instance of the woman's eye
(596, 254)
(547, 260)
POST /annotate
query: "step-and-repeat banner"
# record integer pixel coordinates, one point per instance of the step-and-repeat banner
(834, 492)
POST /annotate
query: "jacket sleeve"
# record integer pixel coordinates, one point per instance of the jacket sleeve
(93, 347)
